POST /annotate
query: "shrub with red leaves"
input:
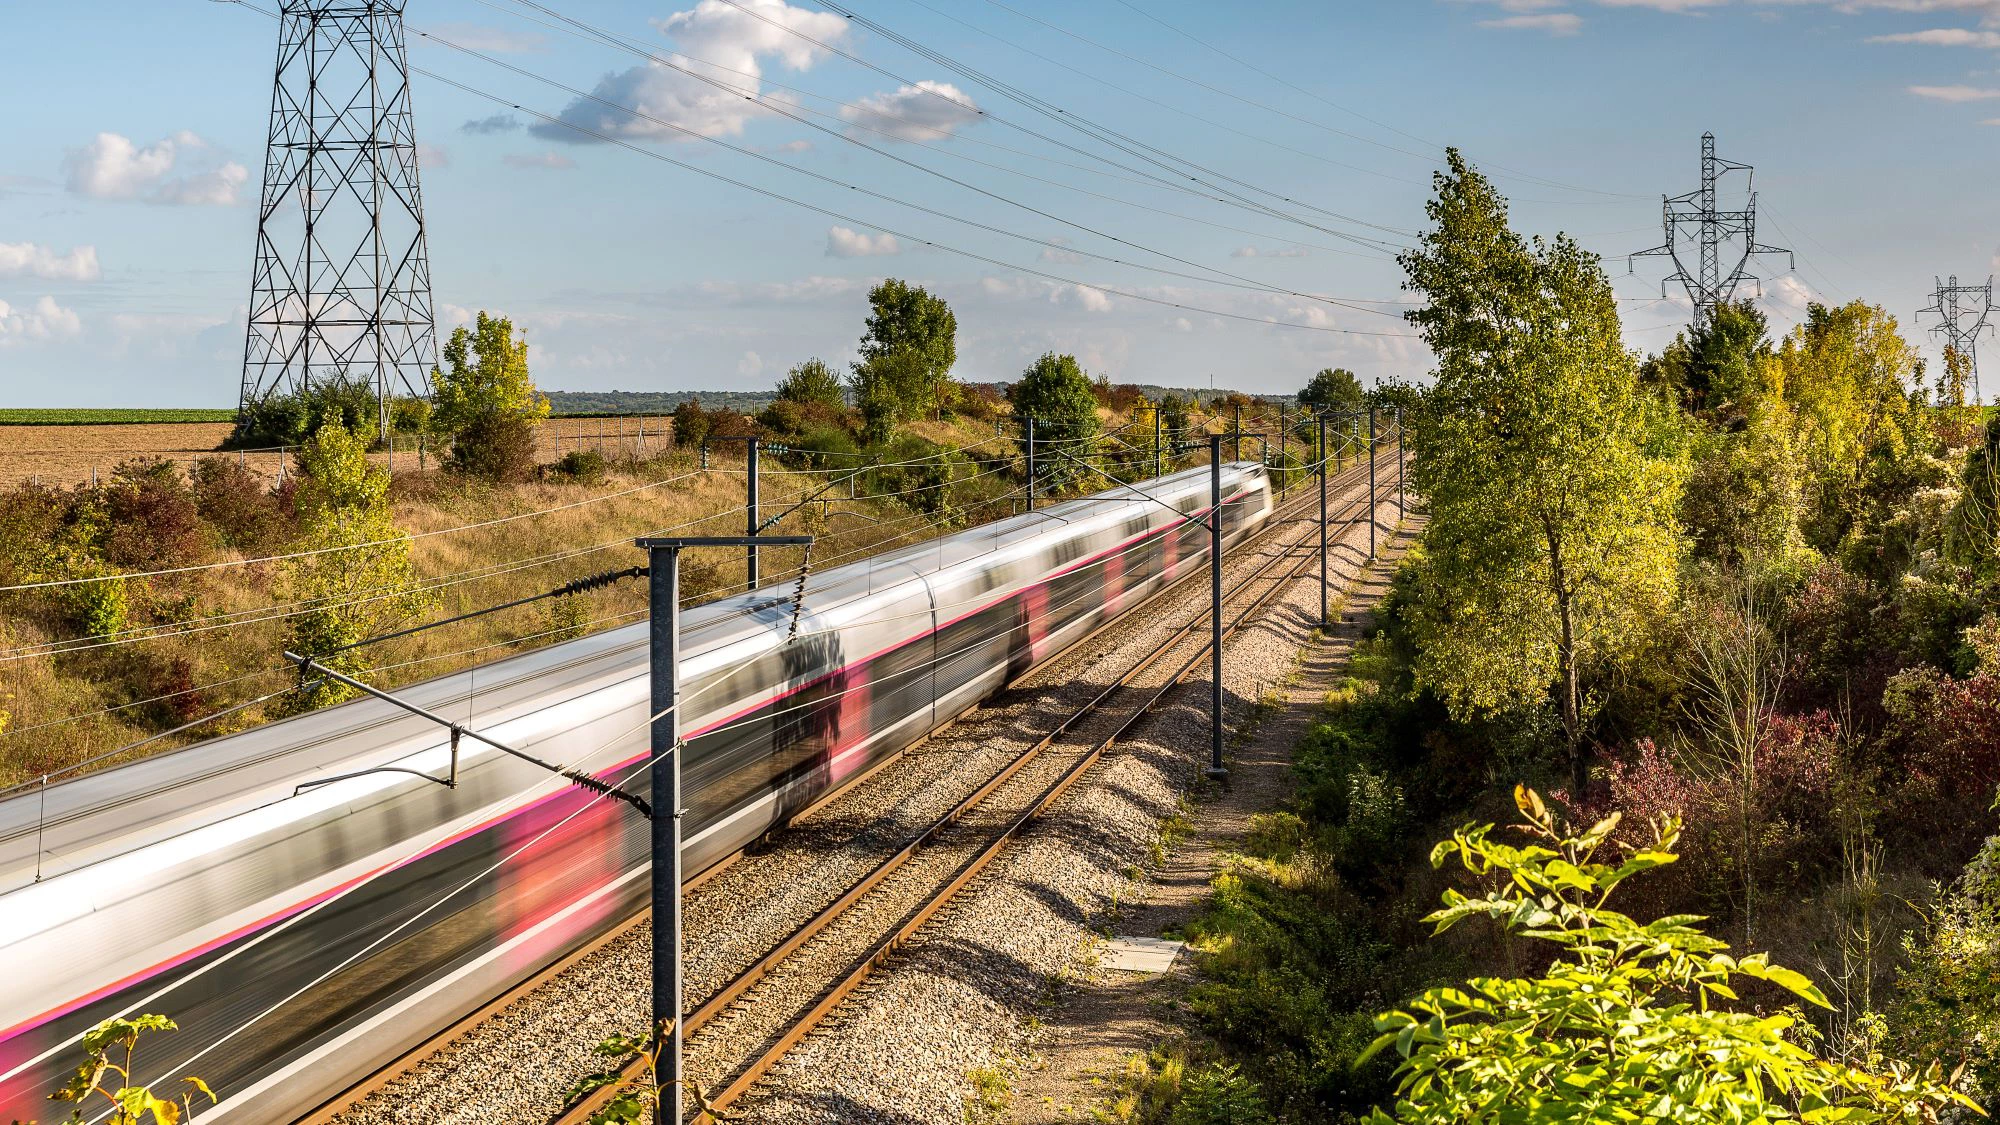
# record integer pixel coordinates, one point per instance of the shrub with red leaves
(153, 518)
(248, 516)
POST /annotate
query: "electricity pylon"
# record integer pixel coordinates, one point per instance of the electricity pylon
(341, 288)
(1713, 231)
(1961, 323)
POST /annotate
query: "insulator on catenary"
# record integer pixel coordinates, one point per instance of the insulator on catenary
(591, 582)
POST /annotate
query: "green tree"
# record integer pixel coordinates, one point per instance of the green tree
(1712, 367)
(1628, 1023)
(1551, 535)
(485, 372)
(485, 402)
(907, 353)
(1056, 394)
(1174, 425)
(1947, 1010)
(812, 382)
(354, 578)
(1334, 388)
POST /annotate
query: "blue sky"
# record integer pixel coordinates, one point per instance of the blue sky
(130, 165)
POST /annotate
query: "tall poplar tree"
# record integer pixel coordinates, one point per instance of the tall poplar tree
(1551, 534)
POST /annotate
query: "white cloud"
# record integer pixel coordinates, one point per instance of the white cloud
(552, 160)
(27, 259)
(750, 366)
(498, 123)
(112, 167)
(1088, 299)
(433, 156)
(727, 42)
(1956, 93)
(1943, 37)
(1555, 23)
(844, 243)
(1085, 297)
(927, 111)
(44, 320)
(1280, 252)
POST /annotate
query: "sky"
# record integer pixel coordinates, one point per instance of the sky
(1175, 193)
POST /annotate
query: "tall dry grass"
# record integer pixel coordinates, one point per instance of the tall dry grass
(216, 637)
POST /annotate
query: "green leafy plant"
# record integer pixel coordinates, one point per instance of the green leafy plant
(633, 1078)
(99, 1077)
(1625, 1025)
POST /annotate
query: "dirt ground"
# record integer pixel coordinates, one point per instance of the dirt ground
(67, 455)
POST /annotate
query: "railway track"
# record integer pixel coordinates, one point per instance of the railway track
(920, 879)
(740, 1029)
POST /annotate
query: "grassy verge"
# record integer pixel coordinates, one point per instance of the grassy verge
(1316, 926)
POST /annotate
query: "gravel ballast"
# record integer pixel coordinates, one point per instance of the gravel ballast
(899, 1050)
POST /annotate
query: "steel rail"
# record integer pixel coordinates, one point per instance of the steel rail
(726, 996)
(915, 919)
(330, 1110)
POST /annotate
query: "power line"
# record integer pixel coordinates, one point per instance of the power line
(570, 26)
(1240, 281)
(779, 196)
(1139, 150)
(1081, 73)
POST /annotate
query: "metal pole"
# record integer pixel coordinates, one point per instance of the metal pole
(1325, 611)
(1236, 445)
(1031, 464)
(1371, 484)
(1287, 477)
(665, 580)
(755, 525)
(1215, 767)
(1402, 511)
(1159, 451)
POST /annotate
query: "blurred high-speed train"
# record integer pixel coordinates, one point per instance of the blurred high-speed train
(302, 941)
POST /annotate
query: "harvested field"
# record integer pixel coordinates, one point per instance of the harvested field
(66, 454)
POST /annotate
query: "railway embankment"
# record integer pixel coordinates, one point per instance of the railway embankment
(1004, 1010)
(1110, 1021)
(515, 1064)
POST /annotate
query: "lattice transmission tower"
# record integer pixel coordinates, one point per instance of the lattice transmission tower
(341, 288)
(1715, 232)
(1961, 319)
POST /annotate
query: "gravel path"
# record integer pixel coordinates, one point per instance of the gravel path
(1108, 1016)
(964, 995)
(516, 1065)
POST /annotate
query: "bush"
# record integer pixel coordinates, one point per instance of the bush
(584, 466)
(235, 502)
(498, 447)
(918, 473)
(154, 521)
(291, 419)
(825, 447)
(812, 382)
(691, 424)
(409, 415)
(1219, 1095)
